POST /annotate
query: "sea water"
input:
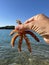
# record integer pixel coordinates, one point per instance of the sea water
(11, 56)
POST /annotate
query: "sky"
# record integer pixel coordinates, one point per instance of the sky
(12, 10)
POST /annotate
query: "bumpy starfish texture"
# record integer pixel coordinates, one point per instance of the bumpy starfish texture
(21, 36)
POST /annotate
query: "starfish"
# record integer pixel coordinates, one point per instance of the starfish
(21, 30)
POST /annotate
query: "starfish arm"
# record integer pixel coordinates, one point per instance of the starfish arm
(33, 35)
(18, 21)
(20, 43)
(13, 31)
(28, 43)
(13, 39)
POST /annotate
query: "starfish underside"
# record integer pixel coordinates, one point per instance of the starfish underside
(21, 36)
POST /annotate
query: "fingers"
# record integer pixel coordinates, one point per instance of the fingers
(46, 36)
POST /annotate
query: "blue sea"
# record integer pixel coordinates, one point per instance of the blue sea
(11, 56)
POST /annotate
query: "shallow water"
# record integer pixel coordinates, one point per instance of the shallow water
(11, 56)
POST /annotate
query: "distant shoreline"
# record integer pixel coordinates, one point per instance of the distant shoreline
(7, 27)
